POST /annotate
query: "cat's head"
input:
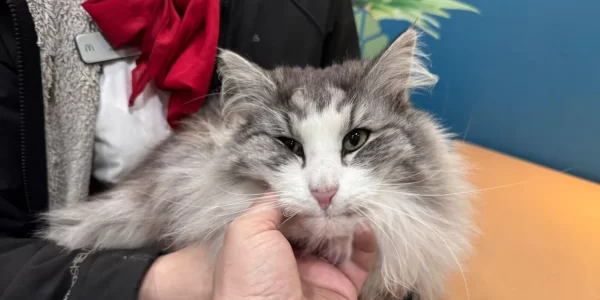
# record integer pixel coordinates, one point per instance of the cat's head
(336, 142)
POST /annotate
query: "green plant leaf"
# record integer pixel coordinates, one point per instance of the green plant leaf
(431, 4)
(374, 47)
(420, 12)
(372, 39)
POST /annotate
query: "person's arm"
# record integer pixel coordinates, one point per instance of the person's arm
(36, 269)
(341, 42)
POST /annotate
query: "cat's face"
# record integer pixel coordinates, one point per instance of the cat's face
(335, 142)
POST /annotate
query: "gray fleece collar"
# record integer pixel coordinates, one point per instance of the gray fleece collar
(71, 94)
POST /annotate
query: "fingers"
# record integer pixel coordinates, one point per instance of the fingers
(263, 215)
(363, 257)
(320, 278)
(365, 247)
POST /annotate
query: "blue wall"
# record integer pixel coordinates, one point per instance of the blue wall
(525, 75)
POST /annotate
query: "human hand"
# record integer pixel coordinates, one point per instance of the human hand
(256, 261)
(182, 275)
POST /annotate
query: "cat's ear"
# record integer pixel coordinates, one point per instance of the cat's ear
(243, 79)
(400, 69)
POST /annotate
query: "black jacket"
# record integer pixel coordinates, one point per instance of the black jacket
(268, 32)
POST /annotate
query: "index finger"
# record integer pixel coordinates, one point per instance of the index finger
(364, 253)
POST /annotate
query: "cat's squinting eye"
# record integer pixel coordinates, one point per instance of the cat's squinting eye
(355, 139)
(293, 145)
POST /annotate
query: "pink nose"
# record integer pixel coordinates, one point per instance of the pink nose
(324, 196)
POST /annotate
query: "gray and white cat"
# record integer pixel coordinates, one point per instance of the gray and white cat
(337, 146)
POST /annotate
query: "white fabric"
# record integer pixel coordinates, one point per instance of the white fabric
(126, 135)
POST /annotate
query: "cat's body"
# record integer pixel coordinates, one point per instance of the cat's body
(347, 131)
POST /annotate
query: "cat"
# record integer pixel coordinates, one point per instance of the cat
(336, 146)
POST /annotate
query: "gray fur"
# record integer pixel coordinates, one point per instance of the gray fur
(406, 180)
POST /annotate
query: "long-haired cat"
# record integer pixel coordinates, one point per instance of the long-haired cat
(337, 146)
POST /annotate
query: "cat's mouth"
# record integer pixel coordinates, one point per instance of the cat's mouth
(324, 235)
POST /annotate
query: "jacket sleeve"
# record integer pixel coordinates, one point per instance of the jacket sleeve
(36, 269)
(33, 268)
(341, 41)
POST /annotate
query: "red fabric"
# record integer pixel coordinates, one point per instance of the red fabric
(178, 42)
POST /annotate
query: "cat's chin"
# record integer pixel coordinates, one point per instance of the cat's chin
(329, 237)
(334, 250)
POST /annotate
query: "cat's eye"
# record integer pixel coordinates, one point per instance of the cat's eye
(355, 139)
(293, 145)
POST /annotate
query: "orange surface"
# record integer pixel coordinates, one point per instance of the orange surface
(540, 232)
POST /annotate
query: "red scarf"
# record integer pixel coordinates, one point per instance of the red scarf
(178, 42)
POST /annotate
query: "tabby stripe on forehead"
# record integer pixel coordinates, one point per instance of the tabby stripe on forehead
(351, 119)
(247, 135)
(389, 126)
(288, 121)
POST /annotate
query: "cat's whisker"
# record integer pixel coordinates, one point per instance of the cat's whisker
(413, 182)
(244, 194)
(245, 203)
(212, 231)
(464, 138)
(427, 171)
(453, 194)
(266, 206)
(288, 218)
(227, 109)
(269, 195)
(166, 200)
(248, 202)
(205, 206)
(201, 97)
(423, 212)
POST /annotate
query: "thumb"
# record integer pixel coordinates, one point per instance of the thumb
(263, 215)
(256, 260)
